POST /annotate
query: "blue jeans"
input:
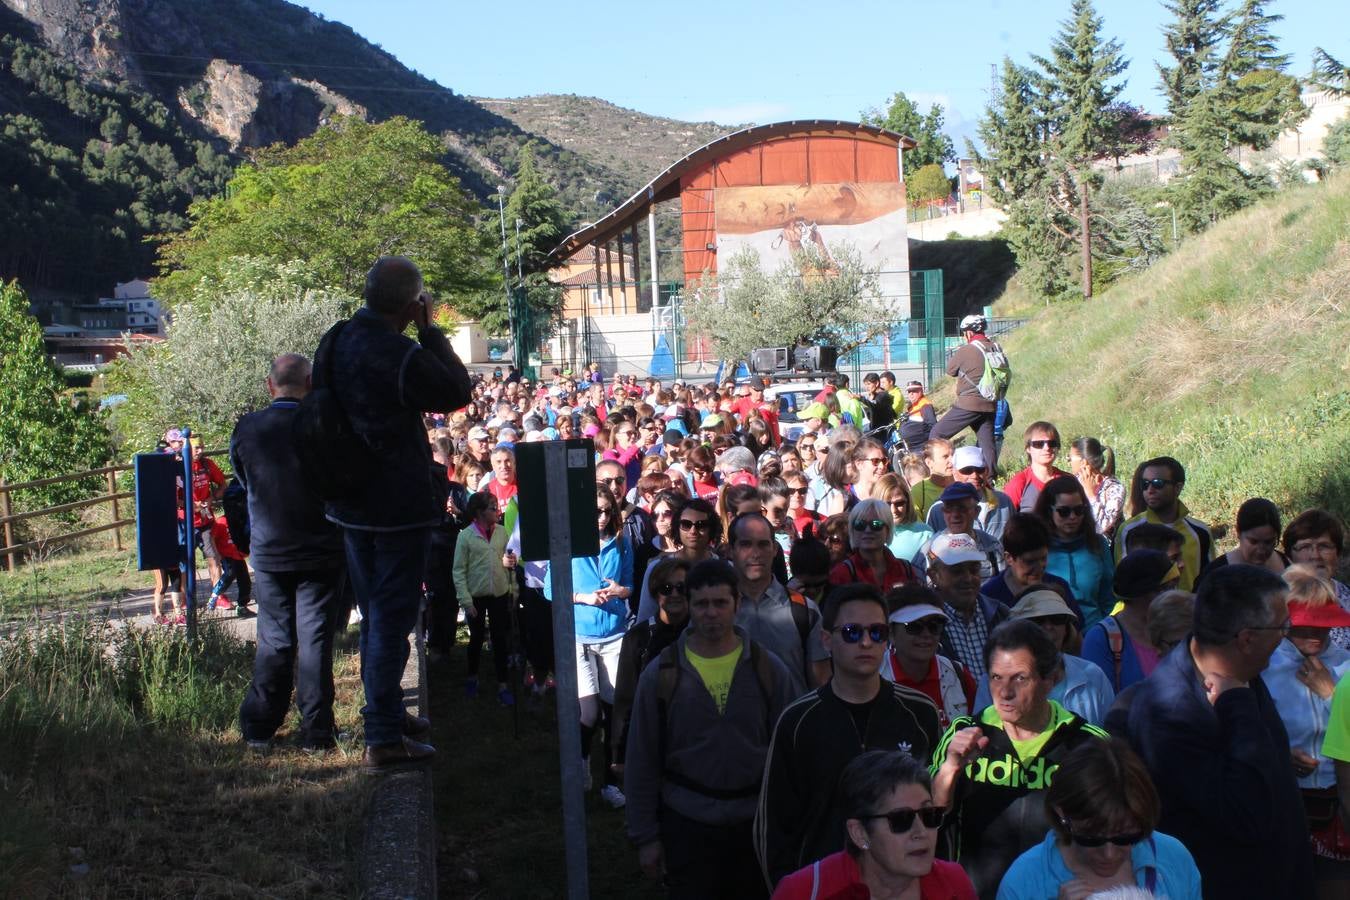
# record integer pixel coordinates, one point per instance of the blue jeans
(298, 615)
(387, 569)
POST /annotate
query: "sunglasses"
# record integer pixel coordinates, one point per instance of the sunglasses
(617, 479)
(1043, 444)
(869, 525)
(1156, 483)
(835, 539)
(1091, 841)
(875, 460)
(902, 820)
(671, 588)
(800, 492)
(691, 525)
(1067, 511)
(932, 626)
(852, 633)
(971, 470)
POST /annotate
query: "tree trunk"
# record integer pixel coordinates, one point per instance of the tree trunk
(1085, 236)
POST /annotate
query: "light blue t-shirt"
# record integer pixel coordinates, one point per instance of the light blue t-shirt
(907, 541)
(1161, 865)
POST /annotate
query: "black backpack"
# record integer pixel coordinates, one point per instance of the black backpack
(333, 456)
(234, 503)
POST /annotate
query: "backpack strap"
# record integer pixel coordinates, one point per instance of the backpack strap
(1115, 640)
(815, 880)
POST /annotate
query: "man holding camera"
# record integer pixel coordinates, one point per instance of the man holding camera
(385, 381)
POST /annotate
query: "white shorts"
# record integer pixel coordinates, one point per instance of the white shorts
(597, 667)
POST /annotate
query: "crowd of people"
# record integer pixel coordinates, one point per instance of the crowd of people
(858, 663)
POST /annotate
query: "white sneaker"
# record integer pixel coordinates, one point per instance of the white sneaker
(611, 794)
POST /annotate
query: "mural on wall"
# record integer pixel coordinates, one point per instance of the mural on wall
(777, 220)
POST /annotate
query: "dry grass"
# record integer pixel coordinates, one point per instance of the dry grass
(170, 812)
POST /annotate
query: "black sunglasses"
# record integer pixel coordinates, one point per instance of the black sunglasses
(801, 491)
(1067, 511)
(902, 820)
(869, 525)
(1090, 841)
(1042, 444)
(671, 588)
(971, 470)
(691, 525)
(852, 633)
(1156, 483)
(617, 479)
(932, 626)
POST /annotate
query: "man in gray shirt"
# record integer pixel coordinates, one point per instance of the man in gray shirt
(786, 624)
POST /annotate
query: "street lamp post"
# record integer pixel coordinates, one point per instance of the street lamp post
(506, 274)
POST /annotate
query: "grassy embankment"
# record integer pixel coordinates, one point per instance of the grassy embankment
(1232, 355)
(71, 581)
(122, 773)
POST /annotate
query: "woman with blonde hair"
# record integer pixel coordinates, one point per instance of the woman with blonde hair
(908, 534)
(1301, 677)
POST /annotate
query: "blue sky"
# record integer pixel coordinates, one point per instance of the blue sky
(734, 62)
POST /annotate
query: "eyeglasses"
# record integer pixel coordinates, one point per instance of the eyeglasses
(852, 633)
(1067, 511)
(1090, 841)
(691, 525)
(869, 525)
(1156, 483)
(931, 626)
(1043, 444)
(902, 820)
(835, 539)
(1282, 628)
(671, 588)
(1314, 546)
(1061, 621)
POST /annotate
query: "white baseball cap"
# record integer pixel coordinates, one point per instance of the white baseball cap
(966, 457)
(916, 612)
(954, 549)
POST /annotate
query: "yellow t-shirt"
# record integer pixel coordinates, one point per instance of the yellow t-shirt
(716, 674)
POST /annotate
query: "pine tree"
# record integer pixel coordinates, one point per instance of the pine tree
(1022, 178)
(1077, 80)
(1263, 99)
(1193, 40)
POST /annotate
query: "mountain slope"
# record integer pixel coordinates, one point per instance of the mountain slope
(631, 144)
(1231, 355)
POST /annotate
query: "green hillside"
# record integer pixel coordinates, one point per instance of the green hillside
(1232, 355)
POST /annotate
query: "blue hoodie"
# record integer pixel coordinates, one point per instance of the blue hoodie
(598, 624)
(1088, 571)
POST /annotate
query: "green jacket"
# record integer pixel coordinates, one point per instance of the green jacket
(478, 569)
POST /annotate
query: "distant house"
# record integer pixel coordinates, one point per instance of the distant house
(599, 282)
(130, 309)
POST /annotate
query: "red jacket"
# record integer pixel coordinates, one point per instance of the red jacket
(836, 877)
(856, 570)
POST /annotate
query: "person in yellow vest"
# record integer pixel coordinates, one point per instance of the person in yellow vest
(1155, 497)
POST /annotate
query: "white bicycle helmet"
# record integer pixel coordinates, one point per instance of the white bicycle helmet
(976, 323)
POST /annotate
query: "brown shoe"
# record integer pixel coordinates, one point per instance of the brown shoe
(416, 726)
(396, 757)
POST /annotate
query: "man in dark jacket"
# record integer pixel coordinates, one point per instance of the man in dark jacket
(800, 817)
(971, 409)
(385, 381)
(1212, 739)
(298, 565)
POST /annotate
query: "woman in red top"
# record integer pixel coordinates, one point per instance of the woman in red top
(1042, 446)
(891, 837)
(871, 561)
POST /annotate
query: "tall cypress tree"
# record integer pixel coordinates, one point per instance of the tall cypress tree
(1077, 78)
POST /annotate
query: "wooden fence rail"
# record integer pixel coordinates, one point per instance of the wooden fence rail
(12, 551)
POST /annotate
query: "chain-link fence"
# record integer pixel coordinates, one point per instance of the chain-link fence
(609, 326)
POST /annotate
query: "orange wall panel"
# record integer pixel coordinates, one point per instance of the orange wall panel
(878, 162)
(785, 161)
(739, 169)
(833, 160)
